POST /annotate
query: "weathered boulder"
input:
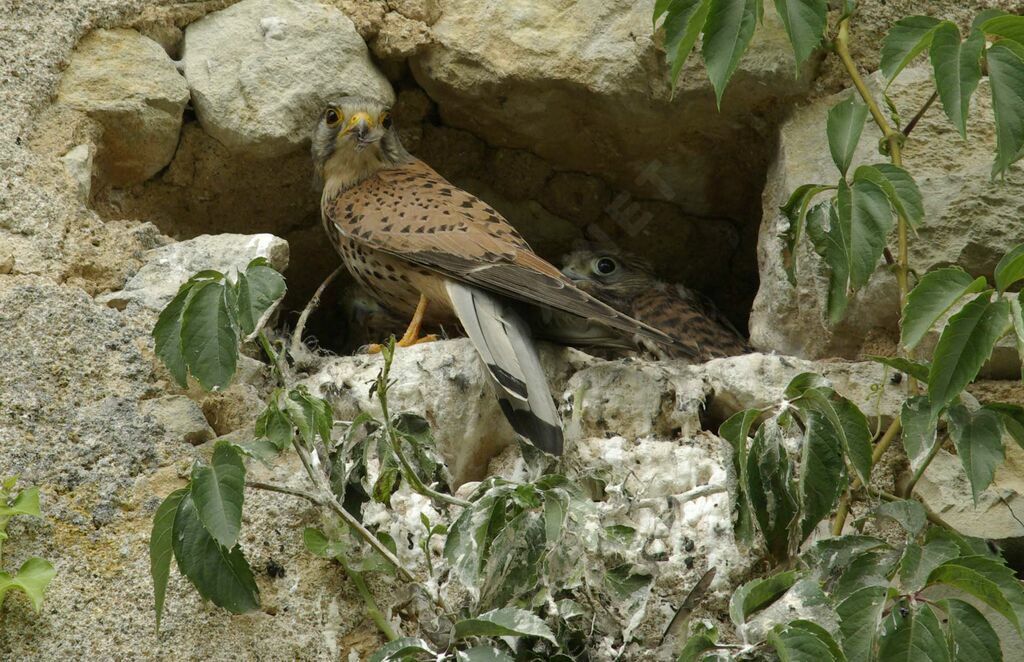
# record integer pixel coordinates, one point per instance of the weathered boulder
(130, 86)
(260, 72)
(166, 268)
(970, 220)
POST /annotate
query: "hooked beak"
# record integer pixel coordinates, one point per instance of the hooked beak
(573, 275)
(363, 129)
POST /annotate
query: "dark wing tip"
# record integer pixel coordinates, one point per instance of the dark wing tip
(538, 432)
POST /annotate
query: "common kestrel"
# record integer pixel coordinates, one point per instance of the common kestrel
(426, 248)
(628, 284)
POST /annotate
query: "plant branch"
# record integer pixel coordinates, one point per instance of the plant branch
(314, 302)
(844, 502)
(932, 516)
(280, 489)
(372, 610)
(909, 489)
(917, 118)
(275, 358)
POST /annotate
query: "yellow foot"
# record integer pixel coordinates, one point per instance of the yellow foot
(404, 342)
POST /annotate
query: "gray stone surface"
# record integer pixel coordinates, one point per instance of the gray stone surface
(166, 268)
(130, 86)
(181, 418)
(260, 72)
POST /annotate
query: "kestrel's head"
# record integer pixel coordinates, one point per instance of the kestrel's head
(608, 274)
(353, 139)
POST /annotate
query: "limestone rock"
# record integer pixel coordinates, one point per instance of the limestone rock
(166, 268)
(970, 220)
(180, 417)
(127, 83)
(260, 72)
(399, 37)
(78, 165)
(584, 85)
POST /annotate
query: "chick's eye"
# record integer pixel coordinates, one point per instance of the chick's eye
(385, 119)
(332, 117)
(605, 266)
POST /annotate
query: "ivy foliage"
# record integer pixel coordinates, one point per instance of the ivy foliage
(34, 576)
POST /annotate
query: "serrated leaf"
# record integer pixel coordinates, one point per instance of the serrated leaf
(218, 492)
(757, 594)
(899, 187)
(850, 424)
(915, 369)
(275, 426)
(1010, 269)
(1012, 417)
(978, 437)
(505, 622)
(971, 637)
(260, 289)
(167, 336)
(974, 575)
(161, 550)
(964, 346)
(736, 430)
(918, 562)
(209, 340)
(400, 650)
(907, 39)
(320, 545)
(805, 22)
(917, 636)
(769, 488)
(919, 429)
(727, 33)
(934, 295)
(821, 467)
(25, 503)
(803, 382)
(870, 220)
(221, 576)
(957, 68)
(908, 513)
(386, 484)
(844, 126)
(832, 244)
(483, 654)
(683, 24)
(860, 615)
(1005, 61)
(804, 641)
(1017, 319)
(795, 210)
(1006, 26)
(866, 569)
(697, 644)
(32, 579)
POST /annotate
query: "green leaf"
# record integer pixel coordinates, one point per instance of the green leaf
(697, 644)
(971, 636)
(275, 426)
(795, 211)
(821, 469)
(387, 483)
(1012, 417)
(683, 25)
(218, 491)
(860, 615)
(160, 549)
(1006, 77)
(933, 296)
(208, 338)
(757, 594)
(908, 513)
(832, 244)
(844, 126)
(736, 430)
(870, 220)
(260, 289)
(906, 40)
(850, 424)
(978, 437)
(803, 382)
(320, 545)
(403, 649)
(1010, 268)
(310, 414)
(770, 490)
(915, 369)
(483, 654)
(975, 576)
(32, 579)
(899, 187)
(918, 562)
(805, 23)
(506, 622)
(804, 641)
(219, 575)
(867, 569)
(727, 33)
(957, 70)
(1006, 26)
(918, 429)
(167, 336)
(917, 636)
(964, 346)
(1017, 319)
(25, 503)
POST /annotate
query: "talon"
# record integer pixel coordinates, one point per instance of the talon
(412, 334)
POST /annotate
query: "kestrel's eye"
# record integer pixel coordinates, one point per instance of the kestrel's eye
(333, 117)
(385, 120)
(605, 266)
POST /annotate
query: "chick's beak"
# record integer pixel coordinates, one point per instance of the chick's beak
(570, 272)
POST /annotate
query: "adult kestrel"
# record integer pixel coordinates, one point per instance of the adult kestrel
(628, 284)
(424, 247)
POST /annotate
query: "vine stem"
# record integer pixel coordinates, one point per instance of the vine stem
(314, 303)
(909, 489)
(844, 502)
(932, 516)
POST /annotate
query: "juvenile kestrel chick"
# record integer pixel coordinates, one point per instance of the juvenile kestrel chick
(426, 248)
(628, 284)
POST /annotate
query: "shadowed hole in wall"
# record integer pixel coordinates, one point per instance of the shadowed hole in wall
(208, 189)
